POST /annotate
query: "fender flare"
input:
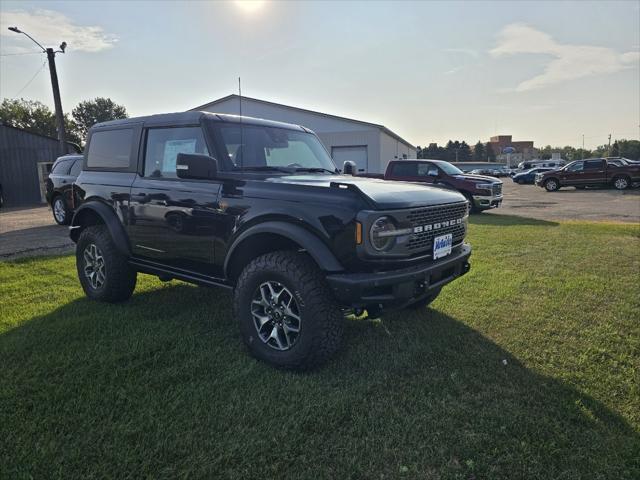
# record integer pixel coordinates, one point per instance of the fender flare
(109, 218)
(307, 240)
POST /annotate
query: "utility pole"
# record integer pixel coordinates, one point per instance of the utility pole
(582, 156)
(51, 57)
(609, 148)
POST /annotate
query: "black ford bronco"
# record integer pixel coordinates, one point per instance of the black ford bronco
(259, 207)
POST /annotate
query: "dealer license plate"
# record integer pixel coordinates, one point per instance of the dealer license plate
(442, 246)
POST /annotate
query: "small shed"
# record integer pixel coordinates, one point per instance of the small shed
(25, 162)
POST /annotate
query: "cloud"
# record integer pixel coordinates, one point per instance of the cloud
(466, 51)
(569, 62)
(52, 28)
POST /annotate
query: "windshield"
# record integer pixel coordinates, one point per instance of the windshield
(450, 169)
(253, 147)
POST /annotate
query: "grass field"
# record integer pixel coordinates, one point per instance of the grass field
(528, 367)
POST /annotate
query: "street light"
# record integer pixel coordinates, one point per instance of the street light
(51, 57)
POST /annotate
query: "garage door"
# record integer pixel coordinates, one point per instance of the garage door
(357, 154)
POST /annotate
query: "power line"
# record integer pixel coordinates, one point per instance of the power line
(31, 80)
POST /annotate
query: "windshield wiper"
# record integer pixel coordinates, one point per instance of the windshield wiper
(314, 169)
(264, 168)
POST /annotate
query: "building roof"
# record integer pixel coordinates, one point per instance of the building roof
(328, 115)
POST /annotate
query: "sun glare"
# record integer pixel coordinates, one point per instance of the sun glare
(250, 6)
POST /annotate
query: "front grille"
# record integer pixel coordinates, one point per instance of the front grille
(497, 189)
(429, 215)
(423, 241)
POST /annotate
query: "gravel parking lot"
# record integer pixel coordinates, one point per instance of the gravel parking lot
(603, 204)
(31, 231)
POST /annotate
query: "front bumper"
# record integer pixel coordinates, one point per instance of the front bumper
(484, 202)
(396, 288)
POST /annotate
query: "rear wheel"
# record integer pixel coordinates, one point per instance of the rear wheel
(61, 213)
(104, 273)
(551, 185)
(621, 183)
(286, 312)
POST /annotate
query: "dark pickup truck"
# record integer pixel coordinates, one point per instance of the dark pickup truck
(482, 192)
(591, 172)
(259, 208)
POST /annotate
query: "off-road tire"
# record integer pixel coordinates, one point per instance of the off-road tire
(321, 321)
(120, 278)
(66, 220)
(621, 182)
(422, 303)
(551, 185)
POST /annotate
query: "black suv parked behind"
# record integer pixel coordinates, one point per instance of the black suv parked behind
(59, 187)
(259, 207)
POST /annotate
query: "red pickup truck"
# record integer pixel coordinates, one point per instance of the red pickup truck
(592, 172)
(483, 192)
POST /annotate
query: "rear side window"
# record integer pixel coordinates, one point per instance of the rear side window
(164, 145)
(593, 164)
(62, 167)
(402, 169)
(110, 149)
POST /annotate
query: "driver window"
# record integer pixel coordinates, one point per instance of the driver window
(576, 167)
(427, 170)
(164, 145)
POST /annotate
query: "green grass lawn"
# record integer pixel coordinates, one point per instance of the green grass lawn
(528, 367)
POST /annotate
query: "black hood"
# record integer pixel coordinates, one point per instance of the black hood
(383, 194)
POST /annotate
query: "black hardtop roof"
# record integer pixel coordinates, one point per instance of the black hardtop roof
(191, 118)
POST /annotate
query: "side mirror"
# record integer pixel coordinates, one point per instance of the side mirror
(349, 168)
(196, 166)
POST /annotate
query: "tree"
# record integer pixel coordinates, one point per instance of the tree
(491, 155)
(615, 149)
(479, 152)
(89, 112)
(35, 117)
(464, 152)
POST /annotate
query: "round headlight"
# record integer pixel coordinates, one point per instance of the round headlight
(381, 233)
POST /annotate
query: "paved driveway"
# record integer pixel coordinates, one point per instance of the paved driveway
(31, 231)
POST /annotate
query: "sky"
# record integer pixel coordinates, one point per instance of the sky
(547, 71)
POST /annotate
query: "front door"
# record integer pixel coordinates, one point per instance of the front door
(573, 175)
(173, 221)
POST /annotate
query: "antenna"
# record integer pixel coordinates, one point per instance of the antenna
(240, 95)
(241, 147)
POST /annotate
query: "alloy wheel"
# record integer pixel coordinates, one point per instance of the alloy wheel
(94, 267)
(621, 183)
(59, 211)
(276, 315)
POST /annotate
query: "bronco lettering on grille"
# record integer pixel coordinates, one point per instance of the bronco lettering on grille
(436, 226)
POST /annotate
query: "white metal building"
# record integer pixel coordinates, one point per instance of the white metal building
(369, 145)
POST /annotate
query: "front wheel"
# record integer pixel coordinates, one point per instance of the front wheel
(286, 312)
(104, 273)
(621, 183)
(61, 213)
(551, 185)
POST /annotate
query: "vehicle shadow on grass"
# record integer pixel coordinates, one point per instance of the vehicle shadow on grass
(499, 219)
(162, 387)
